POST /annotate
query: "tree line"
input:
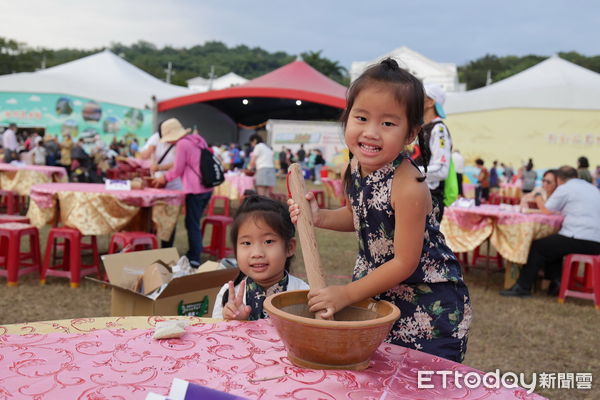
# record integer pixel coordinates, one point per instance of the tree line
(217, 58)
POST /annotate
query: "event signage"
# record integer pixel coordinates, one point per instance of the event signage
(80, 117)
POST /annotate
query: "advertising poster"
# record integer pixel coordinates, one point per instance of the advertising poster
(80, 117)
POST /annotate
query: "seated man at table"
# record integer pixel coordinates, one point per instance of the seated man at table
(579, 202)
(540, 194)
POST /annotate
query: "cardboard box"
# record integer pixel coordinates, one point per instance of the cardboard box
(187, 295)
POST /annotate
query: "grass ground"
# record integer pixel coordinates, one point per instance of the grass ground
(519, 335)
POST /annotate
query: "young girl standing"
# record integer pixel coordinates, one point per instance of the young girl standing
(402, 256)
(264, 245)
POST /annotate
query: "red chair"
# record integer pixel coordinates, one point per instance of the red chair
(510, 200)
(10, 200)
(586, 286)
(218, 240)
(319, 196)
(213, 201)
(132, 241)
(15, 262)
(463, 259)
(5, 218)
(71, 266)
(477, 256)
(494, 198)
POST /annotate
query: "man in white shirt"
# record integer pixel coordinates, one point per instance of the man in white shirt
(579, 202)
(9, 142)
(440, 144)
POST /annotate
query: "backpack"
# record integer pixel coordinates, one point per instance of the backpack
(211, 171)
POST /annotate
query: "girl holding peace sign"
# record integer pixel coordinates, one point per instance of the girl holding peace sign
(264, 245)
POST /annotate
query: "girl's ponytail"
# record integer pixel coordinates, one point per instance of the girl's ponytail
(425, 152)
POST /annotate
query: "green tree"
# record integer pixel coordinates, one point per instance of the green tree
(332, 69)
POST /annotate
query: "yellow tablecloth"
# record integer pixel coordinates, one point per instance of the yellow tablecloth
(95, 211)
(510, 232)
(20, 179)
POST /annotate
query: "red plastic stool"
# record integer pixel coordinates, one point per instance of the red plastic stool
(132, 241)
(497, 258)
(213, 201)
(12, 258)
(319, 196)
(11, 200)
(510, 200)
(494, 198)
(463, 259)
(71, 266)
(586, 286)
(218, 240)
(4, 218)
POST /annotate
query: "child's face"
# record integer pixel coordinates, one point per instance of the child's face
(261, 253)
(377, 129)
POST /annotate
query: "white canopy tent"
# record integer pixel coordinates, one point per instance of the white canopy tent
(548, 112)
(102, 76)
(554, 83)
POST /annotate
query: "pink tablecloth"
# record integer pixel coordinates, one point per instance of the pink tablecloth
(243, 358)
(43, 193)
(234, 186)
(511, 232)
(45, 169)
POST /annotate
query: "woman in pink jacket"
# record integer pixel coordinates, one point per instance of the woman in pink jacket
(187, 166)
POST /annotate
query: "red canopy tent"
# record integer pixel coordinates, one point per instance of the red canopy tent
(274, 95)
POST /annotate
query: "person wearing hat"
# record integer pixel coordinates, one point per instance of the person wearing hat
(440, 145)
(187, 166)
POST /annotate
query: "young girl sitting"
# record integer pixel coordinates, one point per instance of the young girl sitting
(264, 245)
(402, 256)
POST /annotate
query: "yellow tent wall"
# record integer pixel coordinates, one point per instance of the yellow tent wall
(551, 137)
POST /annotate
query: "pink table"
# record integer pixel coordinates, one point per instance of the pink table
(510, 232)
(234, 186)
(242, 358)
(94, 210)
(21, 178)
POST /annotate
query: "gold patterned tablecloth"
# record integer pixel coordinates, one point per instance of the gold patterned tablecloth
(95, 211)
(21, 179)
(510, 232)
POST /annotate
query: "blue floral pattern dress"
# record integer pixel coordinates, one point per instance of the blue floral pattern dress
(435, 309)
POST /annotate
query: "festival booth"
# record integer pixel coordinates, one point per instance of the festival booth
(548, 112)
(99, 94)
(295, 91)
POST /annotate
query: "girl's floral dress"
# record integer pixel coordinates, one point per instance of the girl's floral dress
(435, 310)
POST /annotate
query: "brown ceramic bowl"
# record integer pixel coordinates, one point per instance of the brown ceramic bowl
(346, 343)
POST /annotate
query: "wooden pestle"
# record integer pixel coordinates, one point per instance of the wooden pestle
(306, 230)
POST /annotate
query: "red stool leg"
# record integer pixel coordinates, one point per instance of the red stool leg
(12, 259)
(565, 280)
(75, 261)
(96, 256)
(596, 281)
(47, 257)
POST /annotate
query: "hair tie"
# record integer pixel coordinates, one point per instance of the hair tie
(391, 64)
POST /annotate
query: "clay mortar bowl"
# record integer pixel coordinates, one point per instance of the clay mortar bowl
(346, 343)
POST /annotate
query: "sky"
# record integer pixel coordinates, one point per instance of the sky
(448, 31)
